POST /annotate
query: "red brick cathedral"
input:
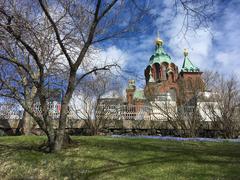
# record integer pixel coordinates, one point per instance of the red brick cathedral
(163, 78)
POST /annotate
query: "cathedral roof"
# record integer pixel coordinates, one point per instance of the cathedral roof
(139, 95)
(187, 64)
(159, 55)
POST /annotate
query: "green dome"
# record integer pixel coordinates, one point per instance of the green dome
(159, 56)
(188, 65)
(139, 95)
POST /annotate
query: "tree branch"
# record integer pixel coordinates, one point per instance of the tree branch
(105, 68)
(56, 33)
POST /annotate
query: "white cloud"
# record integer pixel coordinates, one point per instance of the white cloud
(228, 62)
(216, 49)
(112, 55)
(227, 36)
(102, 57)
(199, 42)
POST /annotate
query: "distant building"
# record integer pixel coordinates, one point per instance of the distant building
(10, 111)
(162, 78)
(165, 84)
(54, 103)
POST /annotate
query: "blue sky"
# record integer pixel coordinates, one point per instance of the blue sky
(215, 48)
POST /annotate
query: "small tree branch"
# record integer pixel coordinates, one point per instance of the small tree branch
(56, 32)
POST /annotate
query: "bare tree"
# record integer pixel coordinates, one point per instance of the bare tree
(91, 102)
(196, 14)
(181, 112)
(43, 29)
(217, 107)
(12, 79)
(223, 109)
(19, 71)
(165, 111)
(53, 32)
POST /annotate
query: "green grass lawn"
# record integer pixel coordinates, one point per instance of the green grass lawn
(119, 158)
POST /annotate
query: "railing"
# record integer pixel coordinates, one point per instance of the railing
(126, 112)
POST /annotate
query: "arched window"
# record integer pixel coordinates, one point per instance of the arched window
(147, 76)
(153, 69)
(164, 72)
(157, 71)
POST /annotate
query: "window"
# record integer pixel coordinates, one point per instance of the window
(164, 72)
(189, 84)
(157, 71)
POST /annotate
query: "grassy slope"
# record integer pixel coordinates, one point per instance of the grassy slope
(119, 158)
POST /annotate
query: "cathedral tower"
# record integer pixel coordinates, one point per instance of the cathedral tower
(161, 73)
(190, 81)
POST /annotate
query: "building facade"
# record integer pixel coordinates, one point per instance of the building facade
(163, 78)
(167, 86)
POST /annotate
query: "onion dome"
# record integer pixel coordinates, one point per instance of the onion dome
(159, 55)
(159, 42)
(187, 64)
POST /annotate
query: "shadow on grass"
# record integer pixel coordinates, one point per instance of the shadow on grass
(169, 152)
(18, 147)
(187, 148)
(131, 155)
(157, 161)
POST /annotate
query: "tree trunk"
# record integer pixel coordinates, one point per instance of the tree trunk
(49, 145)
(51, 140)
(26, 123)
(27, 118)
(61, 139)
